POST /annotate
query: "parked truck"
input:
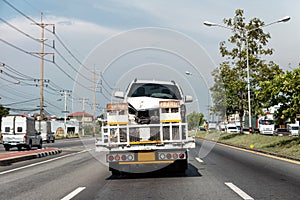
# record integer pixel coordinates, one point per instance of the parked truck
(148, 130)
(19, 131)
(266, 126)
(44, 128)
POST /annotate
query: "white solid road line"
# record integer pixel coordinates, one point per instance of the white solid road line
(199, 160)
(73, 194)
(42, 162)
(240, 192)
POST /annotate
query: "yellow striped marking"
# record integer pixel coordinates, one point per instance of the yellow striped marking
(146, 142)
(170, 120)
(116, 123)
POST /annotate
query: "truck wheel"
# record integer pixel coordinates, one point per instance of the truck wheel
(53, 140)
(41, 145)
(115, 172)
(181, 166)
(19, 148)
(6, 147)
(29, 146)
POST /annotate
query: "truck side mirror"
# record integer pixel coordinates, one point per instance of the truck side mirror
(188, 99)
(119, 94)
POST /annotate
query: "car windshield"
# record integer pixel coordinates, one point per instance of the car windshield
(232, 127)
(163, 91)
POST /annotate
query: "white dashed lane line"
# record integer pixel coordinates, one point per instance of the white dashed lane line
(199, 160)
(74, 193)
(240, 192)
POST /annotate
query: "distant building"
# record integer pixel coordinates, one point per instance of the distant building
(57, 126)
(81, 117)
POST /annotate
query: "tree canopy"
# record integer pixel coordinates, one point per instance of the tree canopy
(230, 87)
(283, 90)
(195, 120)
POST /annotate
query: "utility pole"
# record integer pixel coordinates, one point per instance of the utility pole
(95, 103)
(42, 53)
(83, 110)
(65, 93)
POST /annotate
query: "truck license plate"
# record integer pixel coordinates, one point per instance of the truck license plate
(146, 156)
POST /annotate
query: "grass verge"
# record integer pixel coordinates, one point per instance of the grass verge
(283, 145)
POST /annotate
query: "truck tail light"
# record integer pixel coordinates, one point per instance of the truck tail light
(181, 155)
(130, 157)
(175, 155)
(25, 138)
(111, 158)
(124, 157)
(171, 156)
(120, 157)
(168, 156)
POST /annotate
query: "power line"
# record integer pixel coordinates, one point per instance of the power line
(22, 50)
(20, 31)
(20, 102)
(19, 11)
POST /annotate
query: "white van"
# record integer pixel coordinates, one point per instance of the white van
(231, 128)
(19, 131)
(294, 129)
(44, 127)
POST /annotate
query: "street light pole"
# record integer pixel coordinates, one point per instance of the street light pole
(207, 23)
(208, 104)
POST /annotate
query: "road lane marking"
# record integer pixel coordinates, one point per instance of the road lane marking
(262, 154)
(74, 193)
(257, 153)
(42, 162)
(240, 192)
(199, 160)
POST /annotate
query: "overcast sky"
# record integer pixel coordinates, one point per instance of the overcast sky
(124, 39)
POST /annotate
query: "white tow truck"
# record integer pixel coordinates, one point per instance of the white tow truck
(148, 130)
(19, 131)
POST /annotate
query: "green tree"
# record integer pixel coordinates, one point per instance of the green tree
(195, 120)
(3, 112)
(231, 78)
(283, 90)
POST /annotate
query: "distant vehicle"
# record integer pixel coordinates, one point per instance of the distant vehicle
(231, 128)
(281, 132)
(294, 129)
(44, 127)
(202, 128)
(222, 127)
(212, 125)
(19, 131)
(266, 126)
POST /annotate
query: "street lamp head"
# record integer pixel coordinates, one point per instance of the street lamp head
(188, 73)
(285, 19)
(207, 23)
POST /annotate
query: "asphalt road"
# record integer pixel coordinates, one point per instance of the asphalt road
(215, 172)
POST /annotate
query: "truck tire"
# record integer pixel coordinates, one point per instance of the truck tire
(40, 145)
(19, 148)
(29, 146)
(180, 166)
(115, 172)
(6, 147)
